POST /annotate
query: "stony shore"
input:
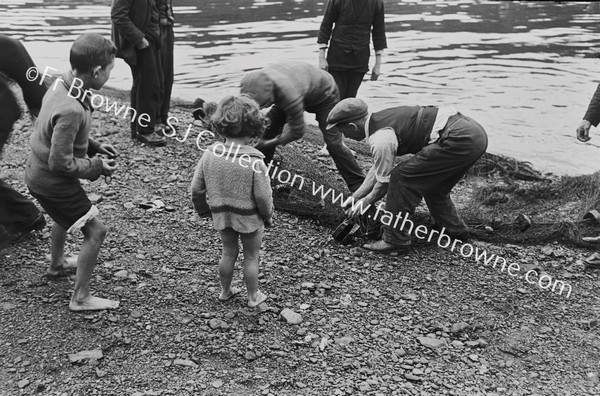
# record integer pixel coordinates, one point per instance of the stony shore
(429, 323)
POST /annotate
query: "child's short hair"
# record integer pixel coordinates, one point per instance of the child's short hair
(90, 50)
(238, 116)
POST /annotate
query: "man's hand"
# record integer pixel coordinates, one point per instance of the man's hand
(375, 72)
(353, 208)
(108, 167)
(583, 131)
(143, 44)
(265, 144)
(323, 64)
(107, 149)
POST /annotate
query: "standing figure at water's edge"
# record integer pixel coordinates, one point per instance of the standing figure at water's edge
(347, 27)
(136, 34)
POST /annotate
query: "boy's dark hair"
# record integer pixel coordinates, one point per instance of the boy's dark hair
(238, 116)
(90, 50)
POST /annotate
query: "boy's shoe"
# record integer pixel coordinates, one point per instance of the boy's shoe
(37, 225)
(151, 139)
(4, 238)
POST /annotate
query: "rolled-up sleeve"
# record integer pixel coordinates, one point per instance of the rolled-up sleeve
(384, 146)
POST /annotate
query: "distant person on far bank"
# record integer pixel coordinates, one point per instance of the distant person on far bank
(591, 117)
(445, 145)
(62, 152)
(290, 89)
(236, 191)
(344, 38)
(136, 33)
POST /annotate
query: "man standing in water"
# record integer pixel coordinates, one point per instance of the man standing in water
(445, 145)
(591, 117)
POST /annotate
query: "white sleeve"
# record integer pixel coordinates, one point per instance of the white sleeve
(384, 146)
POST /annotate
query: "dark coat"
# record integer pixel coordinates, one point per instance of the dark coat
(354, 22)
(131, 20)
(593, 112)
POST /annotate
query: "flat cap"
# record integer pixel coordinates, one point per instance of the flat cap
(259, 86)
(347, 110)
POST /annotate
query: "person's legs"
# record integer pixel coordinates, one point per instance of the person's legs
(353, 81)
(277, 121)
(147, 95)
(229, 237)
(340, 80)
(433, 172)
(166, 61)
(93, 236)
(340, 153)
(57, 250)
(401, 200)
(17, 213)
(133, 94)
(251, 243)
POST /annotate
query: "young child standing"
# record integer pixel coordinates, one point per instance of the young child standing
(233, 177)
(62, 153)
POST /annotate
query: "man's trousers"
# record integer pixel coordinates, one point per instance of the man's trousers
(431, 174)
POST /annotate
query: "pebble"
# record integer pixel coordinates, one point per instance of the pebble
(290, 316)
(459, 327)
(432, 343)
(94, 354)
(217, 383)
(121, 274)
(136, 314)
(412, 377)
(23, 383)
(185, 362)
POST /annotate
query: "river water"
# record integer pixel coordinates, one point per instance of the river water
(525, 70)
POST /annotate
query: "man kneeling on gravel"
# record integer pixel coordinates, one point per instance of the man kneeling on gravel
(445, 145)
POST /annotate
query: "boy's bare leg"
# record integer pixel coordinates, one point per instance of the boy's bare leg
(57, 250)
(93, 236)
(227, 263)
(251, 243)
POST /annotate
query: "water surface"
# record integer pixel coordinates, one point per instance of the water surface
(525, 70)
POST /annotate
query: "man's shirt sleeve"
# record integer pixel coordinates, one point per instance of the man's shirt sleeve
(384, 146)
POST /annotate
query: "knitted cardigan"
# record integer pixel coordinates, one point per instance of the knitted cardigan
(232, 182)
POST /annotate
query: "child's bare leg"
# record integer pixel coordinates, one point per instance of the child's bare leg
(93, 236)
(251, 243)
(58, 262)
(57, 250)
(229, 238)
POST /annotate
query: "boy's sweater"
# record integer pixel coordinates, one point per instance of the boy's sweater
(60, 142)
(235, 182)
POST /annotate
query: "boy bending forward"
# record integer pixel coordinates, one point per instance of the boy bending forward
(62, 153)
